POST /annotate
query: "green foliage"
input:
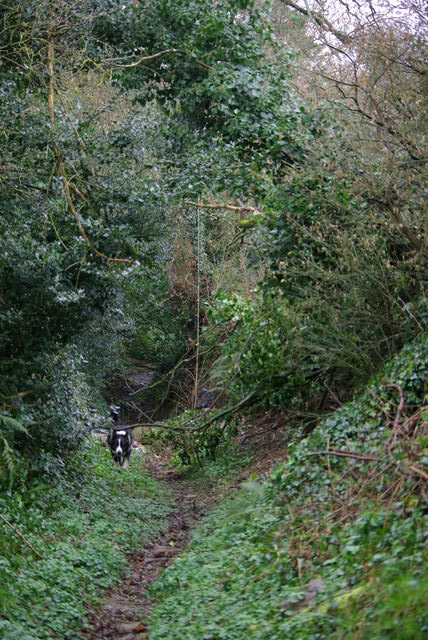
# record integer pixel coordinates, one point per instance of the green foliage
(199, 446)
(83, 527)
(215, 73)
(195, 448)
(67, 313)
(334, 305)
(9, 456)
(249, 571)
(220, 469)
(158, 338)
(67, 308)
(253, 356)
(360, 422)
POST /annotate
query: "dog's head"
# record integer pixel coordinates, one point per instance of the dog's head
(120, 442)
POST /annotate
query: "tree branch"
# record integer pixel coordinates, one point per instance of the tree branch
(343, 454)
(229, 207)
(320, 20)
(21, 535)
(153, 56)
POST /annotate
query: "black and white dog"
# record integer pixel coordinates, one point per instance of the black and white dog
(119, 441)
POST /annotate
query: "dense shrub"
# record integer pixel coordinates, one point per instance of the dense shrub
(342, 293)
(66, 308)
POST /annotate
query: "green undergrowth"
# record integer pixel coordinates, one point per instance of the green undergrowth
(222, 469)
(328, 547)
(82, 526)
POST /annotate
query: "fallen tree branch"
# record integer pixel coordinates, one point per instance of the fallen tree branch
(231, 410)
(184, 427)
(229, 207)
(203, 426)
(157, 425)
(228, 410)
(343, 454)
(21, 535)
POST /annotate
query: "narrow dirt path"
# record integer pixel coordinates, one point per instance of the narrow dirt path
(122, 613)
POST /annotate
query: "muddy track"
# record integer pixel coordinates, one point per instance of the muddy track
(123, 611)
(122, 614)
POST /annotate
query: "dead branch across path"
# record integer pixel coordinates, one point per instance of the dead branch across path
(189, 425)
(343, 454)
(186, 426)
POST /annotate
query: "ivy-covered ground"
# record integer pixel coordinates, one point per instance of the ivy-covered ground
(81, 528)
(332, 546)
